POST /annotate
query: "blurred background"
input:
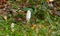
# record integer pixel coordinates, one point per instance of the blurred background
(44, 20)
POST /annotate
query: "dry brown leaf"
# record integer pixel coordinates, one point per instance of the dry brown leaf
(22, 12)
(3, 1)
(34, 26)
(47, 1)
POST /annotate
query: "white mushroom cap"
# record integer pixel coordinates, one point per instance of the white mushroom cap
(28, 15)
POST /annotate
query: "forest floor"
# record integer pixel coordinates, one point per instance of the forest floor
(13, 21)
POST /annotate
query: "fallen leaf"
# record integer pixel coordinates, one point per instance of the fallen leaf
(47, 1)
(34, 26)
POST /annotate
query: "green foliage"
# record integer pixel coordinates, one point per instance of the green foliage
(42, 23)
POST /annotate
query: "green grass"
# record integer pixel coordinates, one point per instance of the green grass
(41, 23)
